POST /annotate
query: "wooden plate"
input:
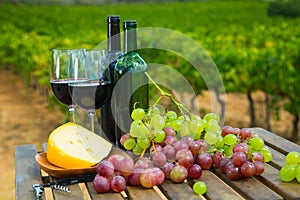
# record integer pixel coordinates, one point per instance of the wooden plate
(55, 171)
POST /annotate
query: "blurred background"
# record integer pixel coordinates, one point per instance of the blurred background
(255, 44)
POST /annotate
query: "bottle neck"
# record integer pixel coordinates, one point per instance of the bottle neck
(130, 42)
(113, 36)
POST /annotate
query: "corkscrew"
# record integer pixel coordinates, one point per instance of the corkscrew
(39, 189)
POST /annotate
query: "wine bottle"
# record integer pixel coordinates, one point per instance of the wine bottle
(114, 52)
(131, 81)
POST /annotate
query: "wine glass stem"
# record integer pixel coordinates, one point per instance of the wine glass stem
(92, 116)
(72, 112)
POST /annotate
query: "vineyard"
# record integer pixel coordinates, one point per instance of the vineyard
(253, 52)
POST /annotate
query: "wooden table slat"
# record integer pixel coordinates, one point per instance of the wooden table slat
(250, 188)
(106, 196)
(216, 188)
(178, 191)
(27, 172)
(139, 193)
(289, 190)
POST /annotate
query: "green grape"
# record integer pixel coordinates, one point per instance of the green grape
(184, 130)
(293, 158)
(171, 115)
(265, 151)
(138, 129)
(196, 117)
(137, 150)
(196, 127)
(298, 174)
(199, 187)
(134, 128)
(211, 116)
(157, 122)
(143, 142)
(144, 131)
(213, 126)
(257, 143)
(196, 136)
(129, 143)
(220, 143)
(211, 137)
(160, 136)
(230, 139)
(228, 150)
(288, 172)
(138, 114)
(176, 124)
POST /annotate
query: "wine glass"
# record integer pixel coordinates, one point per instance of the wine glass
(94, 90)
(59, 77)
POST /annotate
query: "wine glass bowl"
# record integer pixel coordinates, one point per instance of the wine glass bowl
(93, 86)
(60, 77)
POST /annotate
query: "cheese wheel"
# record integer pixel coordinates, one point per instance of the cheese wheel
(72, 146)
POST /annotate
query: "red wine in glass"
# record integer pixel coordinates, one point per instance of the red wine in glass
(60, 89)
(90, 95)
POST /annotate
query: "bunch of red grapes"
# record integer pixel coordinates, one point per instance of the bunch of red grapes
(166, 146)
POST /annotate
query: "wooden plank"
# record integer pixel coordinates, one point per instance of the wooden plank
(27, 172)
(278, 159)
(75, 194)
(106, 196)
(139, 193)
(216, 188)
(276, 142)
(178, 191)
(289, 190)
(249, 188)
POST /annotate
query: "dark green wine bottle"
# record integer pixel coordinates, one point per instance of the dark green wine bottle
(131, 82)
(114, 52)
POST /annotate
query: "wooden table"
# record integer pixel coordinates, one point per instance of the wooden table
(267, 186)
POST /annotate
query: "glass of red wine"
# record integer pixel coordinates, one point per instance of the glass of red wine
(60, 77)
(95, 88)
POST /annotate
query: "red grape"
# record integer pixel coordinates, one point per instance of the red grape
(101, 184)
(118, 183)
(186, 160)
(187, 139)
(238, 158)
(159, 159)
(203, 145)
(205, 160)
(195, 171)
(169, 131)
(217, 157)
(247, 169)
(115, 160)
(227, 130)
(126, 166)
(105, 168)
(256, 156)
(194, 147)
(223, 163)
(169, 151)
(180, 145)
(178, 174)
(240, 147)
(233, 172)
(169, 140)
(245, 133)
(259, 167)
(148, 178)
(143, 163)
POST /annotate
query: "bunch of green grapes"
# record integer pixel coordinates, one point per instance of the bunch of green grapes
(152, 128)
(291, 169)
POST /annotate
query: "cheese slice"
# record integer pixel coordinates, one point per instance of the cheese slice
(73, 146)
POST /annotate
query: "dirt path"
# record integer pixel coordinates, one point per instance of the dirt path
(24, 119)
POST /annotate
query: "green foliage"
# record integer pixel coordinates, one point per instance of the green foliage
(251, 50)
(286, 8)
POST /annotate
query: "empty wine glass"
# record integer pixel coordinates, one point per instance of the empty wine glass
(60, 77)
(94, 91)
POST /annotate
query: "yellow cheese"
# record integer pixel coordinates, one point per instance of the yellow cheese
(73, 146)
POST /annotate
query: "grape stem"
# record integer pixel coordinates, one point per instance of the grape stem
(180, 106)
